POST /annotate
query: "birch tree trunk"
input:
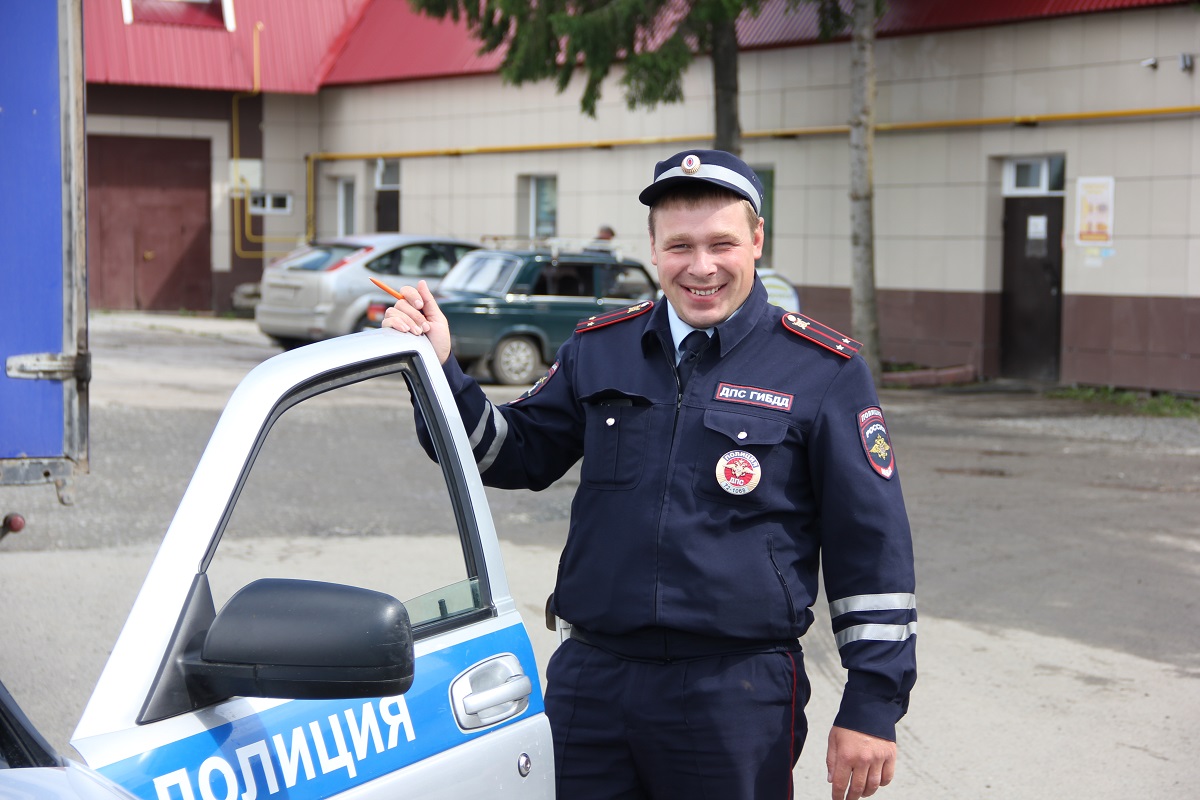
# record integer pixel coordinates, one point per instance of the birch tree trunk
(725, 87)
(864, 315)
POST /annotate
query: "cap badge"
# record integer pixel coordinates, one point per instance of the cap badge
(691, 164)
(738, 472)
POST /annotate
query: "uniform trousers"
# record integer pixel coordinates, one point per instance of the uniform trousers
(727, 727)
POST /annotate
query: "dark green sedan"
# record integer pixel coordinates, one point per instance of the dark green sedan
(513, 308)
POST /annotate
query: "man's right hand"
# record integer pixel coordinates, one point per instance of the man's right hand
(418, 313)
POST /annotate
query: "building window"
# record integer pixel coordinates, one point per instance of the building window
(200, 13)
(1038, 175)
(387, 173)
(545, 206)
(345, 211)
(387, 195)
(270, 202)
(767, 176)
(537, 206)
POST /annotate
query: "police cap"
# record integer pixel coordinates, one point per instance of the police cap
(713, 166)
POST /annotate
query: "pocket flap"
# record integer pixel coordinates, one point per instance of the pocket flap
(745, 428)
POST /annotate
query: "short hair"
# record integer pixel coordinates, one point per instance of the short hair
(691, 195)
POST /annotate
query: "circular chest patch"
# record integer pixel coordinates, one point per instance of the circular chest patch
(738, 472)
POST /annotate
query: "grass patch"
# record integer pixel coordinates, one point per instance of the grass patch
(1151, 404)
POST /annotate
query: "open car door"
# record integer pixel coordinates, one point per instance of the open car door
(229, 681)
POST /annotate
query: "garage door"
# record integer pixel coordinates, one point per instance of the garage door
(149, 225)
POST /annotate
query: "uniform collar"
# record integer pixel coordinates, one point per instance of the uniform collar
(680, 329)
(663, 323)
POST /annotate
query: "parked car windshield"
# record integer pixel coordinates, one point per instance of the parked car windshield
(318, 257)
(481, 271)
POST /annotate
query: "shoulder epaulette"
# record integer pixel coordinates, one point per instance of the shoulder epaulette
(613, 317)
(823, 335)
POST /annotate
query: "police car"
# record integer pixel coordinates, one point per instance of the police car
(240, 684)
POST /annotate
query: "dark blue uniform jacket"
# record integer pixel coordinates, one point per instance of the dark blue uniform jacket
(710, 512)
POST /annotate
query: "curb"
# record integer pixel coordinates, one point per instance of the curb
(921, 378)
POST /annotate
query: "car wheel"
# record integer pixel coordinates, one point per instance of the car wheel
(516, 360)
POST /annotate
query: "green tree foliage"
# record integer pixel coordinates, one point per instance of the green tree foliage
(656, 41)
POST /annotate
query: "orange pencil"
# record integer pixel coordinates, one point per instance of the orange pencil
(388, 289)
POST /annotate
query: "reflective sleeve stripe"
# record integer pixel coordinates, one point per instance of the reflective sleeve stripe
(873, 602)
(497, 442)
(481, 428)
(875, 633)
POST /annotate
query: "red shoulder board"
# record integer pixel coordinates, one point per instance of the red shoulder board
(612, 317)
(823, 335)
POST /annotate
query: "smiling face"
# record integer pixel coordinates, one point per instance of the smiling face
(705, 248)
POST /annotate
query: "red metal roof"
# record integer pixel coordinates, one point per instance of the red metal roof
(295, 40)
(779, 26)
(392, 42)
(306, 44)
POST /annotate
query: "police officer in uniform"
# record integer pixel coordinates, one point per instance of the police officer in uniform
(729, 449)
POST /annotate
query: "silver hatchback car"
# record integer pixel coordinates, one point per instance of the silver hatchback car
(322, 289)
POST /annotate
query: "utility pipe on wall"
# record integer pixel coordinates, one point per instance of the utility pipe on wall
(1023, 120)
(242, 223)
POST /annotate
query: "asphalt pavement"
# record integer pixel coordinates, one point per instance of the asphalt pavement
(1058, 555)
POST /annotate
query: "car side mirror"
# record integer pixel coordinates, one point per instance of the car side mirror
(304, 640)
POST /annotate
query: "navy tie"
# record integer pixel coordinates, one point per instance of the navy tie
(693, 345)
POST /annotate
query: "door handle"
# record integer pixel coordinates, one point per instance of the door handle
(515, 688)
(491, 691)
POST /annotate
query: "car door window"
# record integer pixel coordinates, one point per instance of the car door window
(398, 508)
(625, 282)
(422, 261)
(564, 279)
(386, 264)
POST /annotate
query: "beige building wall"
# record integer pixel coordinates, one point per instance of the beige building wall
(939, 206)
(291, 130)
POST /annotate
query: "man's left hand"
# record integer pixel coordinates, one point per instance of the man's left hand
(858, 764)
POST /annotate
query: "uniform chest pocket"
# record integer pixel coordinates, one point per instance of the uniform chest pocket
(614, 444)
(739, 460)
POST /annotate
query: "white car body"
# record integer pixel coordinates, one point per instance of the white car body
(30, 768)
(471, 725)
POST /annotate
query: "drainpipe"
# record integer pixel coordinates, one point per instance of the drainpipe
(242, 227)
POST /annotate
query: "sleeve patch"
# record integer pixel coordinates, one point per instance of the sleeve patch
(537, 387)
(872, 432)
(613, 317)
(821, 334)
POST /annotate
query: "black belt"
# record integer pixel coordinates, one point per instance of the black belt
(665, 644)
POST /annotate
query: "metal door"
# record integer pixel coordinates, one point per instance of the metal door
(1031, 303)
(43, 310)
(149, 229)
(171, 254)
